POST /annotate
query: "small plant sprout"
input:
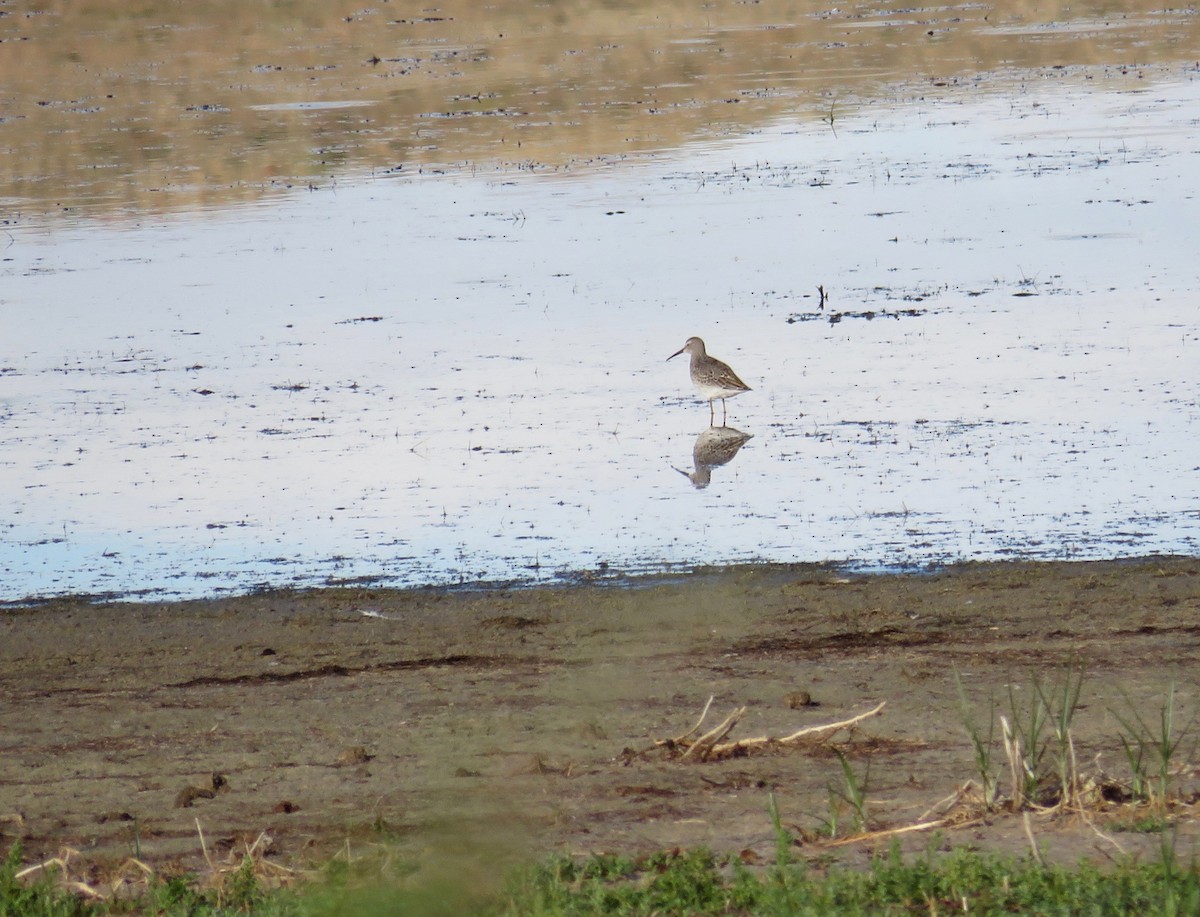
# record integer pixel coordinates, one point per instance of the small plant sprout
(783, 837)
(852, 794)
(1151, 749)
(981, 745)
(1028, 732)
(1061, 703)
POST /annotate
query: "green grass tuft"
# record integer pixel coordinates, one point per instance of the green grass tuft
(693, 882)
(698, 883)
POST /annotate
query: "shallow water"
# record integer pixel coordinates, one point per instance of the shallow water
(119, 111)
(460, 375)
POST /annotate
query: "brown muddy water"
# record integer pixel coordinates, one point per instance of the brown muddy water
(385, 293)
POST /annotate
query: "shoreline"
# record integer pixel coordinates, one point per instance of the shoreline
(613, 578)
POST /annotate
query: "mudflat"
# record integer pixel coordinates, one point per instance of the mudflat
(442, 725)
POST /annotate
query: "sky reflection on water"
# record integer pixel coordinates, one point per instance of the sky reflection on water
(455, 378)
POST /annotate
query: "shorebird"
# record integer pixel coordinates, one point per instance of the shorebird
(712, 378)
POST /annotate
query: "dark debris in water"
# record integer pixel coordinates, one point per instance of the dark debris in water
(868, 314)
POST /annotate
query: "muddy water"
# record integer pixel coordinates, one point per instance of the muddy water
(177, 106)
(404, 372)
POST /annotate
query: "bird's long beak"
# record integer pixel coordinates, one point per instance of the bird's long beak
(678, 352)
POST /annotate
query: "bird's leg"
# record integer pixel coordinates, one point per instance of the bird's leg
(712, 416)
(724, 413)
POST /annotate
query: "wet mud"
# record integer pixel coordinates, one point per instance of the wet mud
(459, 726)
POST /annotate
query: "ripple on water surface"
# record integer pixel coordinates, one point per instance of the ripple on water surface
(970, 332)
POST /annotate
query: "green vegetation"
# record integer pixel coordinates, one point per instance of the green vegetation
(981, 746)
(1043, 766)
(48, 893)
(1038, 745)
(693, 882)
(696, 882)
(1150, 750)
(850, 797)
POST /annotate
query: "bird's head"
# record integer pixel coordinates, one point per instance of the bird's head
(693, 346)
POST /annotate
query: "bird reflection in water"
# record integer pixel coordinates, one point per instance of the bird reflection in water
(714, 447)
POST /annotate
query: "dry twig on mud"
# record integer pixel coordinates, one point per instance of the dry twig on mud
(131, 878)
(867, 836)
(705, 747)
(679, 740)
(711, 747)
(60, 866)
(252, 857)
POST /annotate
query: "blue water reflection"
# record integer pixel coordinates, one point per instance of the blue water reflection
(455, 378)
